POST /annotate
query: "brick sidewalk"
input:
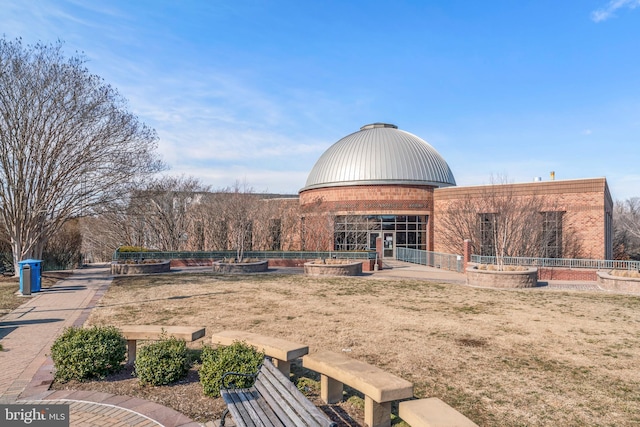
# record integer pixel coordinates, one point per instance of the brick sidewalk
(26, 369)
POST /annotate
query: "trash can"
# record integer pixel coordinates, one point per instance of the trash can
(30, 275)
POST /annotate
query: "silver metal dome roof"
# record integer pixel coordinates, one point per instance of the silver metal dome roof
(380, 153)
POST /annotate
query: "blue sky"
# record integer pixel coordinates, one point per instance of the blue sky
(256, 91)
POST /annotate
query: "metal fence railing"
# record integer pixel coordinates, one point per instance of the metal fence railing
(247, 254)
(597, 264)
(444, 261)
(48, 264)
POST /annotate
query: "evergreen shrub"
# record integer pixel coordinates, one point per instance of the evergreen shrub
(95, 352)
(162, 362)
(237, 357)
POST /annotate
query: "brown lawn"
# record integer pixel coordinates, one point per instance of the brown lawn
(503, 358)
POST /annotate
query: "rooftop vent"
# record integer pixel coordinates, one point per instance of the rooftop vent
(378, 125)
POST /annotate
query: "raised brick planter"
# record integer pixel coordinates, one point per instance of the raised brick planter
(158, 267)
(319, 269)
(502, 279)
(240, 267)
(618, 283)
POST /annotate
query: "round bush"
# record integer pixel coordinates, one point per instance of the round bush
(80, 353)
(237, 357)
(163, 362)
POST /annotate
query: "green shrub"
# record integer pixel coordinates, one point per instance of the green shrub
(131, 249)
(238, 357)
(163, 362)
(80, 354)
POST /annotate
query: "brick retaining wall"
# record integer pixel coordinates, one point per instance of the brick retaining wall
(547, 273)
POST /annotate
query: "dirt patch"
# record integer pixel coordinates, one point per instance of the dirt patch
(534, 357)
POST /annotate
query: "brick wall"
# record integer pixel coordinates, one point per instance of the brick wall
(585, 204)
(369, 199)
(582, 274)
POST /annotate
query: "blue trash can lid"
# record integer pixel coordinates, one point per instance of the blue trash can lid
(29, 261)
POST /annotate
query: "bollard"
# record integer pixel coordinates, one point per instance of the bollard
(25, 280)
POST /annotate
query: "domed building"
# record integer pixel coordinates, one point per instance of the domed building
(382, 188)
(378, 182)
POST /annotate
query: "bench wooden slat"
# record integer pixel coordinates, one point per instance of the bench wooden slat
(285, 415)
(273, 401)
(273, 387)
(309, 411)
(243, 406)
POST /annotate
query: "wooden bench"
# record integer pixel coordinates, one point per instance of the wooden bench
(273, 400)
(432, 412)
(282, 352)
(133, 333)
(380, 388)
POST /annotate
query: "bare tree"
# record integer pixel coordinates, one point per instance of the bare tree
(64, 249)
(210, 229)
(626, 223)
(501, 223)
(317, 227)
(68, 146)
(288, 216)
(165, 207)
(239, 210)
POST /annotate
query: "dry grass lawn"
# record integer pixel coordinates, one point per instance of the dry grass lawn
(501, 357)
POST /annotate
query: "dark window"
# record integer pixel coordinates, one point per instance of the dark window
(353, 232)
(487, 233)
(551, 234)
(275, 231)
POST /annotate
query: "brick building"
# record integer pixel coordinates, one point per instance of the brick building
(382, 182)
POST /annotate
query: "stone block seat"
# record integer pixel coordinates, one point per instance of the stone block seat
(380, 388)
(432, 412)
(281, 351)
(133, 333)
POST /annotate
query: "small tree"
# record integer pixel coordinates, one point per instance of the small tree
(240, 206)
(317, 227)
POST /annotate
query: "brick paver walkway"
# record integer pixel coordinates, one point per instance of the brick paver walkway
(26, 369)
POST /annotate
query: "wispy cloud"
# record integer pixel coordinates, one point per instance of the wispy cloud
(609, 10)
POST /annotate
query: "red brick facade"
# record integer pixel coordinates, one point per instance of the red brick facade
(586, 205)
(370, 199)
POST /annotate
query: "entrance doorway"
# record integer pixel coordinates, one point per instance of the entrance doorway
(373, 236)
(388, 246)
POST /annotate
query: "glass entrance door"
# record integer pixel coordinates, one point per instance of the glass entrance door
(373, 236)
(388, 248)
